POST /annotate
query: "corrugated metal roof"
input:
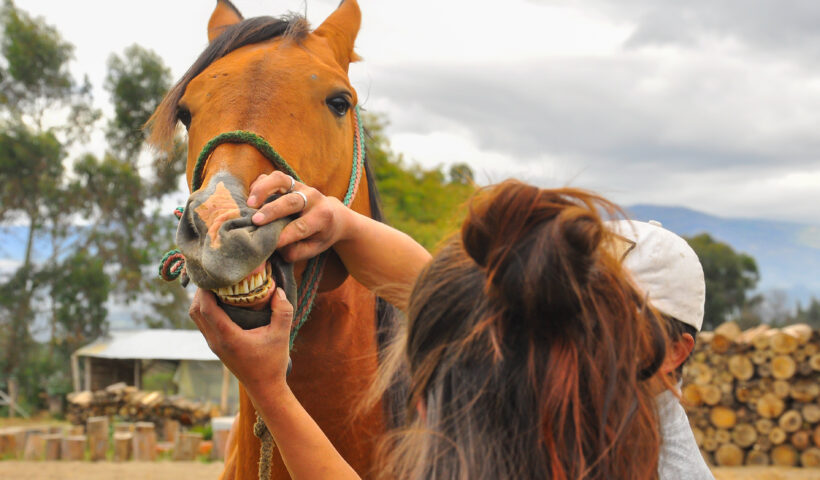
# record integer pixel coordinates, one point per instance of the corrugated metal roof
(153, 344)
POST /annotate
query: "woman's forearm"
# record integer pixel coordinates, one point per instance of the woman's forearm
(380, 257)
(306, 451)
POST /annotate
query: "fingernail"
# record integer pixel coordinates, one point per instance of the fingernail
(257, 218)
(251, 200)
(281, 294)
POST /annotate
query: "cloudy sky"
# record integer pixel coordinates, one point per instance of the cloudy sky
(710, 105)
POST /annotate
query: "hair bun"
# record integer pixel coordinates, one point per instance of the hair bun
(536, 246)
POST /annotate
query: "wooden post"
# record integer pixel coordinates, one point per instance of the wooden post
(74, 448)
(221, 428)
(124, 427)
(226, 383)
(75, 372)
(123, 444)
(87, 373)
(7, 441)
(145, 442)
(137, 373)
(35, 446)
(97, 437)
(170, 430)
(53, 442)
(188, 446)
(12, 383)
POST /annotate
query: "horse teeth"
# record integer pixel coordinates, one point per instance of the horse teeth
(245, 288)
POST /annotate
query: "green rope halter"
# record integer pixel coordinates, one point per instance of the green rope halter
(172, 264)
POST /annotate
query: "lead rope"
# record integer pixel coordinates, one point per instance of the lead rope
(172, 265)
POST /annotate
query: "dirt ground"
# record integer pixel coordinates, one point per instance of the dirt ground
(14, 470)
(766, 473)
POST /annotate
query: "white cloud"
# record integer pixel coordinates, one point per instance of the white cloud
(709, 106)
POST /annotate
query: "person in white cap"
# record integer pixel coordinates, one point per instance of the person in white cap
(667, 270)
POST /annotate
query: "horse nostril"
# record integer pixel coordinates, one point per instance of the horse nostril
(186, 230)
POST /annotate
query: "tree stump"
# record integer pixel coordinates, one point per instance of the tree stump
(723, 417)
(790, 421)
(170, 431)
(74, 448)
(801, 439)
(11, 440)
(811, 412)
(810, 458)
(783, 343)
(709, 394)
(124, 427)
(741, 367)
(770, 406)
(221, 426)
(757, 458)
(729, 455)
(784, 456)
(777, 436)
(145, 442)
(783, 367)
(123, 445)
(97, 437)
(187, 446)
(744, 435)
(35, 446)
(53, 443)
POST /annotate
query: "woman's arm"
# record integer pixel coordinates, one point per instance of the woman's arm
(259, 359)
(377, 256)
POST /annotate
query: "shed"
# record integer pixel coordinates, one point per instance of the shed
(128, 355)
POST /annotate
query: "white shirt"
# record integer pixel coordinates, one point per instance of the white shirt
(680, 458)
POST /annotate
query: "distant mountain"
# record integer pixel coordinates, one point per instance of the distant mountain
(787, 253)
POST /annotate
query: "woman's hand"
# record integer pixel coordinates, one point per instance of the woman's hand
(322, 220)
(258, 357)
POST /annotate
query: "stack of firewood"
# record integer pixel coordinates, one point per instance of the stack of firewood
(133, 405)
(752, 397)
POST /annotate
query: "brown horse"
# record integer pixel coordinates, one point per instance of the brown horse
(288, 85)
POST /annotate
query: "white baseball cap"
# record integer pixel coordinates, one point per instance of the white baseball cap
(665, 268)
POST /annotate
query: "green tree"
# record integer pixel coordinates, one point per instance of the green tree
(809, 315)
(424, 203)
(39, 96)
(730, 277)
(137, 82)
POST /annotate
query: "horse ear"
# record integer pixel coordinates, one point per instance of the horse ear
(225, 14)
(340, 30)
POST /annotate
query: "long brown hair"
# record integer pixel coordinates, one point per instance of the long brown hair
(529, 353)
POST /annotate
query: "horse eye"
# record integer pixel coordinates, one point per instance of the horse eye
(184, 116)
(338, 105)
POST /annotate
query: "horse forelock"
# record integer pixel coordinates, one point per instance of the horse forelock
(162, 124)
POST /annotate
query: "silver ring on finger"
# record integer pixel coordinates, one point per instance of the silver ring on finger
(292, 184)
(304, 198)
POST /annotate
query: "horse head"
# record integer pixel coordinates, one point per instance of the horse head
(281, 86)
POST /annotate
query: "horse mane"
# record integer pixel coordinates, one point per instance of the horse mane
(162, 123)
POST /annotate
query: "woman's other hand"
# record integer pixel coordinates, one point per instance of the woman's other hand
(258, 357)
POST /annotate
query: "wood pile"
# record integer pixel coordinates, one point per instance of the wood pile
(753, 397)
(132, 405)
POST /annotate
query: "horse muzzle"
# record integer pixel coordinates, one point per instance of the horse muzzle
(226, 253)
